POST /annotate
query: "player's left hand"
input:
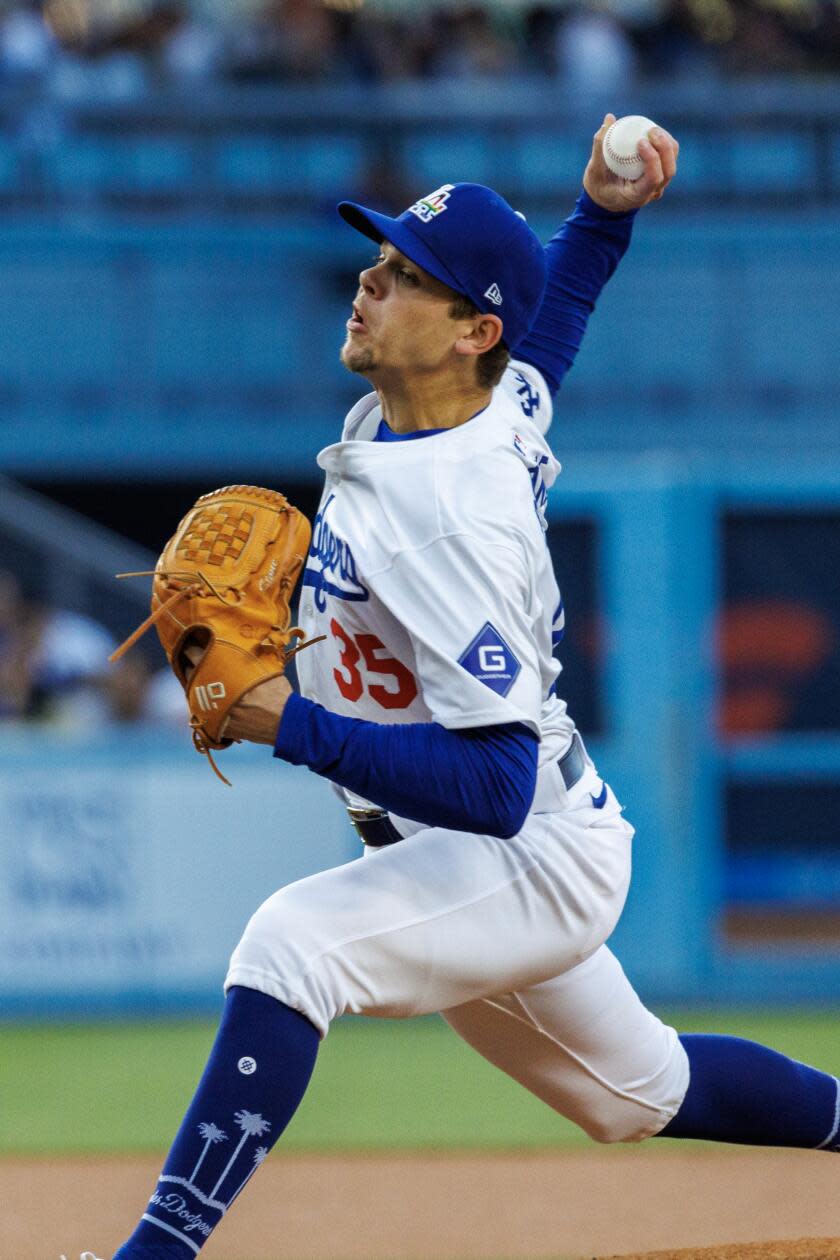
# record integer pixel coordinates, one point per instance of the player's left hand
(256, 715)
(221, 606)
(659, 153)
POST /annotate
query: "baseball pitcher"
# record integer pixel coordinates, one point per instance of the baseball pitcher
(496, 860)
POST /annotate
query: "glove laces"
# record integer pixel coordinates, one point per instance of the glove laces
(192, 589)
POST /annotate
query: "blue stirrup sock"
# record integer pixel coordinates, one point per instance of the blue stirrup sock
(743, 1092)
(256, 1075)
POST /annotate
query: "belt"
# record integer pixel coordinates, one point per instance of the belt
(573, 762)
(375, 827)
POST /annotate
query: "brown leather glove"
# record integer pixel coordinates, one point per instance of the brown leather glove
(223, 584)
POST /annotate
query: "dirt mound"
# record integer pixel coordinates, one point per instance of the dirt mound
(787, 1249)
(435, 1206)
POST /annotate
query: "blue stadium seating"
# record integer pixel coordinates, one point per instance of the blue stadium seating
(160, 164)
(316, 164)
(9, 165)
(546, 164)
(450, 156)
(166, 264)
(761, 161)
(62, 321)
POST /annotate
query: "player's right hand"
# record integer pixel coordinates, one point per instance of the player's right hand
(659, 153)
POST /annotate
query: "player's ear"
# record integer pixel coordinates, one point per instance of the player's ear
(484, 334)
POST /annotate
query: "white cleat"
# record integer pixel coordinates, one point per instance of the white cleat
(86, 1255)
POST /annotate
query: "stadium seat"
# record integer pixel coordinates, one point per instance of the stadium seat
(760, 161)
(542, 165)
(141, 165)
(647, 297)
(9, 166)
(453, 157)
(219, 320)
(60, 323)
(786, 289)
(86, 164)
(158, 165)
(318, 165)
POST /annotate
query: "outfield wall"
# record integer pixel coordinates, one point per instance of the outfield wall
(129, 871)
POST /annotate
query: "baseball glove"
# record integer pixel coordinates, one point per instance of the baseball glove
(223, 584)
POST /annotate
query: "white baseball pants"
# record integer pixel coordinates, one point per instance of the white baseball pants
(505, 938)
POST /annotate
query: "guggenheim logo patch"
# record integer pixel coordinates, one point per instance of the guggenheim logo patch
(491, 660)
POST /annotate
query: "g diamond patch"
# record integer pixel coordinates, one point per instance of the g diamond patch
(491, 660)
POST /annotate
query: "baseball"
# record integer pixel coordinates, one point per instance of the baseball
(620, 145)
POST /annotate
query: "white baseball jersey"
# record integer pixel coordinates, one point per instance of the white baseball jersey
(430, 575)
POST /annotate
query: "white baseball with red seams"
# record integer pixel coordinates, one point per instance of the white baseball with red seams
(620, 145)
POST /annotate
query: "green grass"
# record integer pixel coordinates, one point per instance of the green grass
(378, 1084)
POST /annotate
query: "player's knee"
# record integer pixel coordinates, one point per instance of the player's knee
(622, 1124)
(275, 956)
(278, 929)
(633, 1117)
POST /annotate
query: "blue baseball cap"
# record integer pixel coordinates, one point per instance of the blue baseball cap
(468, 236)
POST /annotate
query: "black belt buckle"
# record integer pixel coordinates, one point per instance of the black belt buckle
(373, 826)
(573, 762)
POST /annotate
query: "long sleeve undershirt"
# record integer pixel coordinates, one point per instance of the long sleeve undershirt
(581, 257)
(481, 779)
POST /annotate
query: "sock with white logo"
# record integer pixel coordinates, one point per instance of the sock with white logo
(740, 1091)
(256, 1075)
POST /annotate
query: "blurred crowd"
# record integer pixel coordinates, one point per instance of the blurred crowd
(54, 668)
(130, 46)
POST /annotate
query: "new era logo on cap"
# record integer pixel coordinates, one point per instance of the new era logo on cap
(427, 207)
(494, 295)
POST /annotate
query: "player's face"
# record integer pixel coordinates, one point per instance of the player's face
(400, 323)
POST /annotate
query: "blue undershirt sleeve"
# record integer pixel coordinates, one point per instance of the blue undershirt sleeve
(481, 779)
(581, 257)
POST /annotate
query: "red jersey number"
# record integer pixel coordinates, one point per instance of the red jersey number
(349, 679)
(352, 685)
(389, 667)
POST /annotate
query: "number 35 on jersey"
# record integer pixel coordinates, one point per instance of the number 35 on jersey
(366, 667)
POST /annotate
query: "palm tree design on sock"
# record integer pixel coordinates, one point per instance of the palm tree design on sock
(252, 1125)
(259, 1158)
(212, 1134)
